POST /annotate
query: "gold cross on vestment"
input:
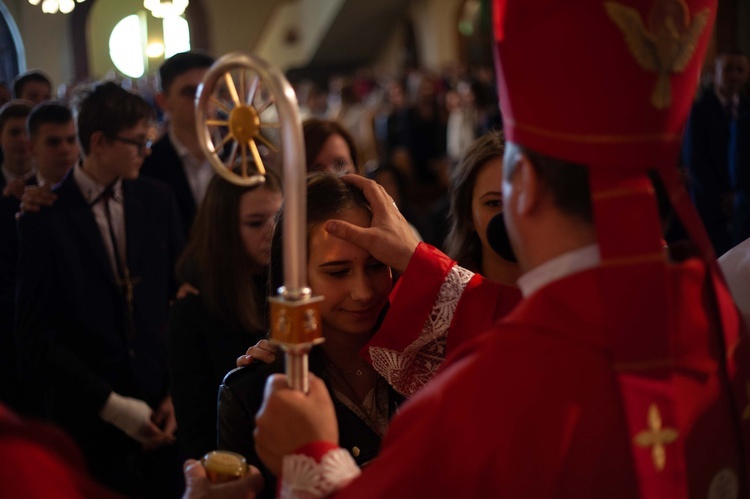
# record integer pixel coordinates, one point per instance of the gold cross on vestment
(656, 437)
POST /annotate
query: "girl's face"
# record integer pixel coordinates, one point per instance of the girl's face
(354, 285)
(258, 209)
(334, 156)
(487, 198)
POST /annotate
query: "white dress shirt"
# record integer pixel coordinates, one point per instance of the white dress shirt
(198, 172)
(41, 180)
(92, 190)
(735, 264)
(9, 175)
(561, 266)
(732, 104)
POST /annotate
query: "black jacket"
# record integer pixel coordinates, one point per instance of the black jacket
(201, 351)
(165, 165)
(241, 396)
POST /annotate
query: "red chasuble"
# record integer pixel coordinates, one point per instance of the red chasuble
(534, 407)
(40, 461)
(628, 380)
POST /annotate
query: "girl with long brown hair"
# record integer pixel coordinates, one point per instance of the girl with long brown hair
(226, 259)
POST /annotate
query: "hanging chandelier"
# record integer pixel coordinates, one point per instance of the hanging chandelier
(166, 8)
(55, 6)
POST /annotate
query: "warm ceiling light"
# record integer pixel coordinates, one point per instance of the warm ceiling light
(54, 6)
(66, 6)
(166, 8)
(155, 49)
(50, 6)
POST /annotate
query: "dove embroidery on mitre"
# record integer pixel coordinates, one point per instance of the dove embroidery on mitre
(666, 45)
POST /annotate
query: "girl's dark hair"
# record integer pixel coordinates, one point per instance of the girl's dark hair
(215, 261)
(327, 196)
(462, 242)
(316, 132)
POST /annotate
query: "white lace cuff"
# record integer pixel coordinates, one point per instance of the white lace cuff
(408, 371)
(303, 478)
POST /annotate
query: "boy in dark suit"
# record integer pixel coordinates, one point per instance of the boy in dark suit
(16, 165)
(15, 172)
(94, 283)
(52, 136)
(177, 158)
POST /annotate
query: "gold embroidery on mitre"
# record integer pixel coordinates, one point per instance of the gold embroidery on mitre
(746, 412)
(656, 437)
(621, 192)
(591, 138)
(644, 365)
(634, 259)
(666, 46)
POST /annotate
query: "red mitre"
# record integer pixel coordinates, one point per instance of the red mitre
(600, 83)
(607, 84)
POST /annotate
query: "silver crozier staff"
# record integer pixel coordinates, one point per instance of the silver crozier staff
(295, 318)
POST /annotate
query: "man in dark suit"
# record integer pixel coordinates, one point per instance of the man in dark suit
(15, 172)
(54, 150)
(177, 158)
(10, 392)
(94, 283)
(16, 165)
(710, 142)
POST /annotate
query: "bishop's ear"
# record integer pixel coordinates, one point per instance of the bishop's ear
(527, 184)
(522, 185)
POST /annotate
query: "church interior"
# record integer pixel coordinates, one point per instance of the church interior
(135, 280)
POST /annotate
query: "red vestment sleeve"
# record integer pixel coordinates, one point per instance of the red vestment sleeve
(434, 297)
(412, 300)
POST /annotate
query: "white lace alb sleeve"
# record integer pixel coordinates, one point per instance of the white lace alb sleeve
(303, 478)
(408, 371)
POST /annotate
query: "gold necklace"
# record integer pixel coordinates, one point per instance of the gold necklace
(370, 417)
(355, 371)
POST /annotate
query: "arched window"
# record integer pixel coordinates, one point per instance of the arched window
(131, 46)
(94, 21)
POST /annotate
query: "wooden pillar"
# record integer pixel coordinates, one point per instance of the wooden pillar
(79, 34)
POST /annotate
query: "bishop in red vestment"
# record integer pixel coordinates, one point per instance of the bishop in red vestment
(621, 373)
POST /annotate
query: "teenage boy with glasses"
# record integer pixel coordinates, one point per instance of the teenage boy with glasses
(94, 284)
